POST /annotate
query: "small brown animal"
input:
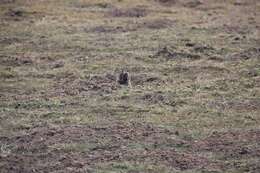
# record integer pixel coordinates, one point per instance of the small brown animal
(124, 78)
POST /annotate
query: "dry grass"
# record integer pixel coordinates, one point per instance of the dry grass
(194, 68)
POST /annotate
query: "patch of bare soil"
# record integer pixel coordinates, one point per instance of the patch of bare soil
(185, 3)
(156, 98)
(233, 145)
(162, 99)
(102, 5)
(241, 3)
(154, 24)
(98, 82)
(16, 60)
(48, 62)
(7, 1)
(43, 148)
(245, 105)
(203, 48)
(240, 144)
(112, 29)
(36, 151)
(157, 24)
(143, 79)
(236, 29)
(44, 62)
(18, 14)
(70, 84)
(192, 3)
(167, 2)
(8, 41)
(253, 52)
(250, 72)
(129, 12)
(171, 54)
(192, 72)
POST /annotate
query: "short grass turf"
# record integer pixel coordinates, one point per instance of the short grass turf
(194, 104)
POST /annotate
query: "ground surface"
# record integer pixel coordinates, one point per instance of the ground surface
(194, 104)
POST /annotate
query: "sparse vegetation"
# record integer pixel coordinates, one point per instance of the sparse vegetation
(194, 100)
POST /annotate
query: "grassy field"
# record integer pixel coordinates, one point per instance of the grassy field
(194, 104)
